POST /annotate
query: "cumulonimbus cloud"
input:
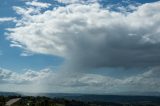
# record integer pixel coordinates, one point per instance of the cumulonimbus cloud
(88, 35)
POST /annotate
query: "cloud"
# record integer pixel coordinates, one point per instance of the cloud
(8, 76)
(76, 1)
(87, 35)
(6, 19)
(38, 4)
(52, 81)
(26, 81)
(147, 81)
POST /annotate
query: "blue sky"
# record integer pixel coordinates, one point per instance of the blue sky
(10, 57)
(79, 44)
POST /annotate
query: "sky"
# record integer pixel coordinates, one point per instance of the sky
(80, 46)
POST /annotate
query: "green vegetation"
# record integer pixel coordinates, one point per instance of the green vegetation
(45, 101)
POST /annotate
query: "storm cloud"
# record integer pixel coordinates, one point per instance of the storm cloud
(91, 36)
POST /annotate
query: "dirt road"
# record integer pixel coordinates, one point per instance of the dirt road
(12, 101)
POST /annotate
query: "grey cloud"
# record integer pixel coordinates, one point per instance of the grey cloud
(81, 82)
(52, 81)
(147, 81)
